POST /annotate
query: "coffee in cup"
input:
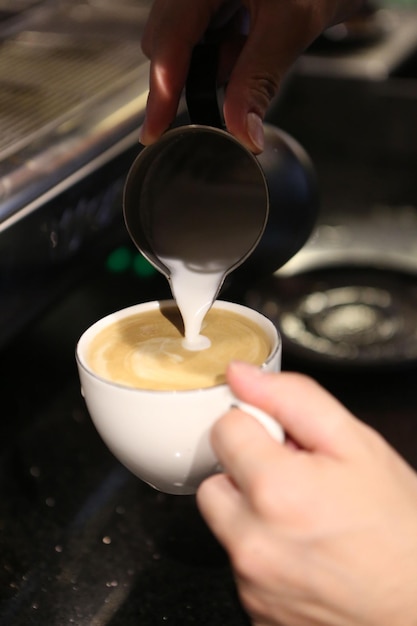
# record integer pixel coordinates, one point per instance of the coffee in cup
(146, 350)
(159, 427)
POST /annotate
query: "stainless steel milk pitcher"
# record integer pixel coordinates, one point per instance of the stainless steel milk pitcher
(258, 210)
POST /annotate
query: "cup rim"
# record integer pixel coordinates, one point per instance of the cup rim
(152, 305)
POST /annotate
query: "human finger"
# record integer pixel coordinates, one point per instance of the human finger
(171, 32)
(246, 451)
(221, 504)
(280, 30)
(310, 415)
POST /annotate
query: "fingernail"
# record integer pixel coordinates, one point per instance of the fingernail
(256, 130)
(144, 136)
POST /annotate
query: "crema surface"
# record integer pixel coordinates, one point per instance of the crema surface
(145, 350)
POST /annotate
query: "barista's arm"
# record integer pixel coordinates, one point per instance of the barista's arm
(279, 31)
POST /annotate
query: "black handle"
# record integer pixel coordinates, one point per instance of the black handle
(201, 86)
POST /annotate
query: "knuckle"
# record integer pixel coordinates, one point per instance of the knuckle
(245, 556)
(263, 88)
(263, 496)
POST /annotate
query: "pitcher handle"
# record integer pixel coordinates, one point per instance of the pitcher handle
(201, 86)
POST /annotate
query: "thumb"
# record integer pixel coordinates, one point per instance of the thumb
(309, 415)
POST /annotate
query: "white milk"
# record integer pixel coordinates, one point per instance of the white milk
(194, 293)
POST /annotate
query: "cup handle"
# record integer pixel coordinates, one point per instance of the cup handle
(269, 423)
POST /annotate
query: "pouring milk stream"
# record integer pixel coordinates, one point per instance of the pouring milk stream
(194, 293)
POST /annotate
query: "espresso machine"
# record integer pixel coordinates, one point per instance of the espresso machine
(82, 541)
(74, 86)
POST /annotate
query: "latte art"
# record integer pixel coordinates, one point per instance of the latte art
(146, 350)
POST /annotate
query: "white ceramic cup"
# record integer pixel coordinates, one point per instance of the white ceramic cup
(163, 437)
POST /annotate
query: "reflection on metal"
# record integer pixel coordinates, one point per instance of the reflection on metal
(381, 236)
(73, 86)
(349, 316)
(347, 322)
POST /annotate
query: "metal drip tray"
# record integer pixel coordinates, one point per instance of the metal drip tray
(344, 315)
